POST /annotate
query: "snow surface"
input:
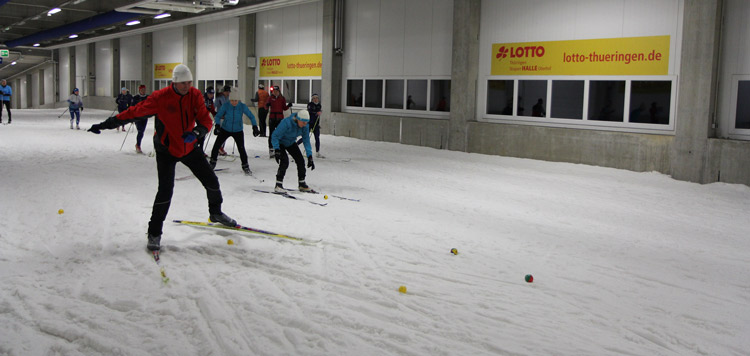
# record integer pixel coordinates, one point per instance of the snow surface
(624, 263)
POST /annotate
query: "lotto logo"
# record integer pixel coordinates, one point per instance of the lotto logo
(502, 52)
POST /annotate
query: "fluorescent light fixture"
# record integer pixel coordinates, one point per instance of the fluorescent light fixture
(132, 23)
(53, 11)
(162, 16)
(73, 36)
(13, 63)
(36, 44)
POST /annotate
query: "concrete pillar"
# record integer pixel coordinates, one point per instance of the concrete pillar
(464, 72)
(147, 61)
(246, 58)
(189, 39)
(72, 72)
(696, 91)
(91, 70)
(330, 91)
(40, 87)
(56, 75)
(29, 91)
(116, 77)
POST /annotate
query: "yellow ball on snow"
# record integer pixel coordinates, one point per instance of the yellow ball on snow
(230, 242)
(325, 197)
(60, 211)
(402, 289)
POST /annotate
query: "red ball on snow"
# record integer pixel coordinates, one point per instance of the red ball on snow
(529, 278)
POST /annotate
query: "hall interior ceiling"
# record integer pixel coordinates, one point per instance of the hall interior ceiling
(30, 31)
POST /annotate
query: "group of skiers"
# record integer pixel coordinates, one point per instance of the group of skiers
(182, 121)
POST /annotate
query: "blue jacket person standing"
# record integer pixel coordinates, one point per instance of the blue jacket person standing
(232, 127)
(284, 140)
(5, 93)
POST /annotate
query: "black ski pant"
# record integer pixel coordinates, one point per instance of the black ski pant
(7, 108)
(284, 163)
(262, 114)
(141, 127)
(239, 139)
(165, 167)
(273, 121)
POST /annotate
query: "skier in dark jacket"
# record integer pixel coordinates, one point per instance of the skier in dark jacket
(124, 101)
(181, 118)
(140, 125)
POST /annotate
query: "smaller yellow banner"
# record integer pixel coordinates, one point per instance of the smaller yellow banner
(609, 56)
(301, 65)
(164, 70)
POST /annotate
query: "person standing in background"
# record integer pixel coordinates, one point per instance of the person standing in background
(261, 98)
(5, 93)
(314, 108)
(140, 125)
(124, 101)
(276, 104)
(222, 99)
(75, 106)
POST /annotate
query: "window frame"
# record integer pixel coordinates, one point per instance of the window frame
(382, 110)
(733, 132)
(584, 123)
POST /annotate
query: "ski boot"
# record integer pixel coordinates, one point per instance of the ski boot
(212, 163)
(222, 219)
(154, 242)
(138, 149)
(303, 187)
(246, 169)
(279, 188)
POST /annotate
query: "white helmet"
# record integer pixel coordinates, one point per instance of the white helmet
(303, 116)
(181, 73)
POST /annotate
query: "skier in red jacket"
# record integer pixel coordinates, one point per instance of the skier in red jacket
(276, 104)
(181, 119)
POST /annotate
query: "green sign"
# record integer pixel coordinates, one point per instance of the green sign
(4, 53)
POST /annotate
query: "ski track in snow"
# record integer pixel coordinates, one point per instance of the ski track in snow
(625, 263)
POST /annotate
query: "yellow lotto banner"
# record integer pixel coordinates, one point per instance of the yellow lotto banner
(164, 70)
(300, 65)
(608, 56)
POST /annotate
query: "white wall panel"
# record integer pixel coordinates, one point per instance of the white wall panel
(82, 60)
(290, 30)
(131, 51)
(418, 35)
(64, 68)
(49, 85)
(168, 46)
(442, 37)
(311, 28)
(391, 41)
(368, 27)
(104, 68)
(398, 38)
(218, 48)
(270, 33)
(22, 93)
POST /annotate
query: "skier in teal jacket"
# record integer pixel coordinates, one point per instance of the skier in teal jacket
(284, 140)
(231, 126)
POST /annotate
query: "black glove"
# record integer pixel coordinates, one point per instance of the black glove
(217, 128)
(95, 128)
(189, 136)
(277, 155)
(310, 163)
(256, 131)
(81, 108)
(290, 105)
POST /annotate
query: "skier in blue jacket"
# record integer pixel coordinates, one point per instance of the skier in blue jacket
(232, 127)
(284, 139)
(5, 93)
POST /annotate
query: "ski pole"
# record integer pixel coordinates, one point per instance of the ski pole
(208, 141)
(126, 136)
(59, 116)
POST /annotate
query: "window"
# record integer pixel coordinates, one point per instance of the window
(606, 100)
(500, 97)
(742, 118)
(416, 94)
(532, 98)
(303, 91)
(354, 92)
(289, 90)
(373, 93)
(649, 101)
(394, 94)
(316, 88)
(567, 99)
(440, 95)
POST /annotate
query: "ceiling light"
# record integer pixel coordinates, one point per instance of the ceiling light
(73, 36)
(53, 11)
(36, 45)
(132, 23)
(161, 16)
(13, 63)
